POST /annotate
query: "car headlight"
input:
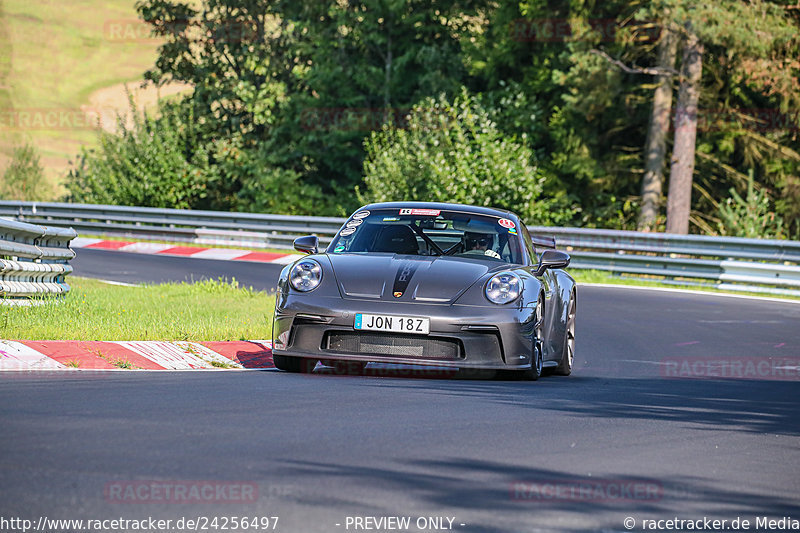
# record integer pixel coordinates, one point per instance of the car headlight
(305, 275)
(503, 288)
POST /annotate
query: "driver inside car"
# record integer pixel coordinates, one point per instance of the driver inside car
(479, 243)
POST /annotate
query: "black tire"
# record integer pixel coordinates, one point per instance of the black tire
(537, 365)
(289, 363)
(568, 355)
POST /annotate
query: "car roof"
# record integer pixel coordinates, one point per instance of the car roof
(442, 206)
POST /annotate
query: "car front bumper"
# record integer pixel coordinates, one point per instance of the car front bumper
(486, 337)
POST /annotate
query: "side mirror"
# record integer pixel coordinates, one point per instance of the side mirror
(552, 259)
(308, 244)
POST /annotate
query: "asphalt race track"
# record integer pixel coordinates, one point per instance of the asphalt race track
(639, 431)
(136, 268)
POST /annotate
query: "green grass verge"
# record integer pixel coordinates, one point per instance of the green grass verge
(599, 276)
(93, 310)
(202, 311)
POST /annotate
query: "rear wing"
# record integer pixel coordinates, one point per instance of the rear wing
(544, 242)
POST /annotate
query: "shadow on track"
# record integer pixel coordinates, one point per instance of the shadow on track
(758, 406)
(527, 492)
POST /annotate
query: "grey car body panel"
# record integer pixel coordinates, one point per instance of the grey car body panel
(446, 289)
(431, 279)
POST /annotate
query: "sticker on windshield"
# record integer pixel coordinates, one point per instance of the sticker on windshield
(361, 214)
(506, 223)
(347, 231)
(338, 249)
(423, 212)
(354, 223)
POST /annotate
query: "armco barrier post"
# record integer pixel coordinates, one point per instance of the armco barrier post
(33, 260)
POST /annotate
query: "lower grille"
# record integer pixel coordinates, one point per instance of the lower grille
(375, 343)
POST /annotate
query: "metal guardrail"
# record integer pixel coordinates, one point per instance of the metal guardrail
(730, 263)
(178, 225)
(33, 260)
(727, 262)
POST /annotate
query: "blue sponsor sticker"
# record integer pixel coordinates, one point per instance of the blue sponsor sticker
(357, 325)
(338, 249)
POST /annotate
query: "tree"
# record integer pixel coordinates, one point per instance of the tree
(679, 198)
(656, 144)
(307, 80)
(749, 216)
(585, 122)
(155, 162)
(285, 92)
(453, 152)
(750, 34)
(750, 50)
(24, 178)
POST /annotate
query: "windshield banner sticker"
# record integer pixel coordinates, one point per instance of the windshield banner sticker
(423, 212)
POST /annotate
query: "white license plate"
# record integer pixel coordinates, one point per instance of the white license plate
(396, 324)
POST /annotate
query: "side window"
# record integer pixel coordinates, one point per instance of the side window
(526, 238)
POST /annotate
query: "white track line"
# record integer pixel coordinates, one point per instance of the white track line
(285, 260)
(224, 254)
(80, 242)
(112, 282)
(688, 291)
(145, 247)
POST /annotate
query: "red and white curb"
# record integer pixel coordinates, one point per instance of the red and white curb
(225, 254)
(134, 355)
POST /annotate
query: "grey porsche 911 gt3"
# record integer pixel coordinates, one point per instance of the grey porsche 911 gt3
(428, 284)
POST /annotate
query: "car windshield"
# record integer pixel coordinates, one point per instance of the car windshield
(430, 232)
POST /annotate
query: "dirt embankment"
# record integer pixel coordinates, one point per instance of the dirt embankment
(108, 103)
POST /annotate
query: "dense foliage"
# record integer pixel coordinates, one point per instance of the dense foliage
(24, 179)
(297, 103)
(165, 161)
(455, 153)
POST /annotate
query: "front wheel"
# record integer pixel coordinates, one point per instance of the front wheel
(290, 363)
(537, 363)
(568, 355)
